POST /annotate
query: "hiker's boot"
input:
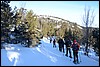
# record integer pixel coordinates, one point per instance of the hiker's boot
(70, 56)
(74, 62)
(66, 55)
(78, 62)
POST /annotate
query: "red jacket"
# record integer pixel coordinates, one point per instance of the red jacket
(77, 45)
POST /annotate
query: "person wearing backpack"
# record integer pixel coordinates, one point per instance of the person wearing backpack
(54, 43)
(75, 48)
(61, 44)
(50, 39)
(68, 47)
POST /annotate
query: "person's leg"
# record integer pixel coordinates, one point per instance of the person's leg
(50, 41)
(66, 51)
(74, 56)
(70, 53)
(60, 48)
(77, 57)
(63, 48)
(55, 44)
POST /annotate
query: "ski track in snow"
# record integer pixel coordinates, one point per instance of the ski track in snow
(52, 58)
(48, 51)
(51, 52)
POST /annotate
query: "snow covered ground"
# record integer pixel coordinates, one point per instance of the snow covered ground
(42, 55)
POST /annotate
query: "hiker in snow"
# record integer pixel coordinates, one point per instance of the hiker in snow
(50, 39)
(54, 43)
(68, 44)
(61, 44)
(75, 48)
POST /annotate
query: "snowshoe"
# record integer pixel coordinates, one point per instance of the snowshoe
(70, 56)
(78, 62)
(66, 55)
(74, 62)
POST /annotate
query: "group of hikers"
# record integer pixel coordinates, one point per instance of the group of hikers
(69, 44)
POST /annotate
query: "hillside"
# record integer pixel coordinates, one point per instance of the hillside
(59, 20)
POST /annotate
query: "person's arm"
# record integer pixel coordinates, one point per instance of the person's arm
(78, 45)
(72, 46)
(58, 41)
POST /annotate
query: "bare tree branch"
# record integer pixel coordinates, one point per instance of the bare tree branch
(92, 18)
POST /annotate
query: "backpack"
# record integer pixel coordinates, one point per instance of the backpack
(54, 41)
(50, 38)
(68, 43)
(75, 47)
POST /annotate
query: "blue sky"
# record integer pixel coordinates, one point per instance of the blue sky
(69, 10)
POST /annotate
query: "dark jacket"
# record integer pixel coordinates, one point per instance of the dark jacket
(68, 43)
(54, 41)
(60, 41)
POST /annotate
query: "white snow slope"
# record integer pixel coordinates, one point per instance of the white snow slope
(43, 55)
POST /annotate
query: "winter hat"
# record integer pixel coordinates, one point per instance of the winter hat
(74, 41)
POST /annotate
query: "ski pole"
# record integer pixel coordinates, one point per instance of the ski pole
(79, 56)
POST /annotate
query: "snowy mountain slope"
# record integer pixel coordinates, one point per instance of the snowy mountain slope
(43, 55)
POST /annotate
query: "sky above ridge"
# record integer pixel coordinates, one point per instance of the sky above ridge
(69, 10)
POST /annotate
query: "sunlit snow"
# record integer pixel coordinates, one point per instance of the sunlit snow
(42, 55)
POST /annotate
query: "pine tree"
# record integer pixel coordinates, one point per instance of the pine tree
(8, 18)
(31, 18)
